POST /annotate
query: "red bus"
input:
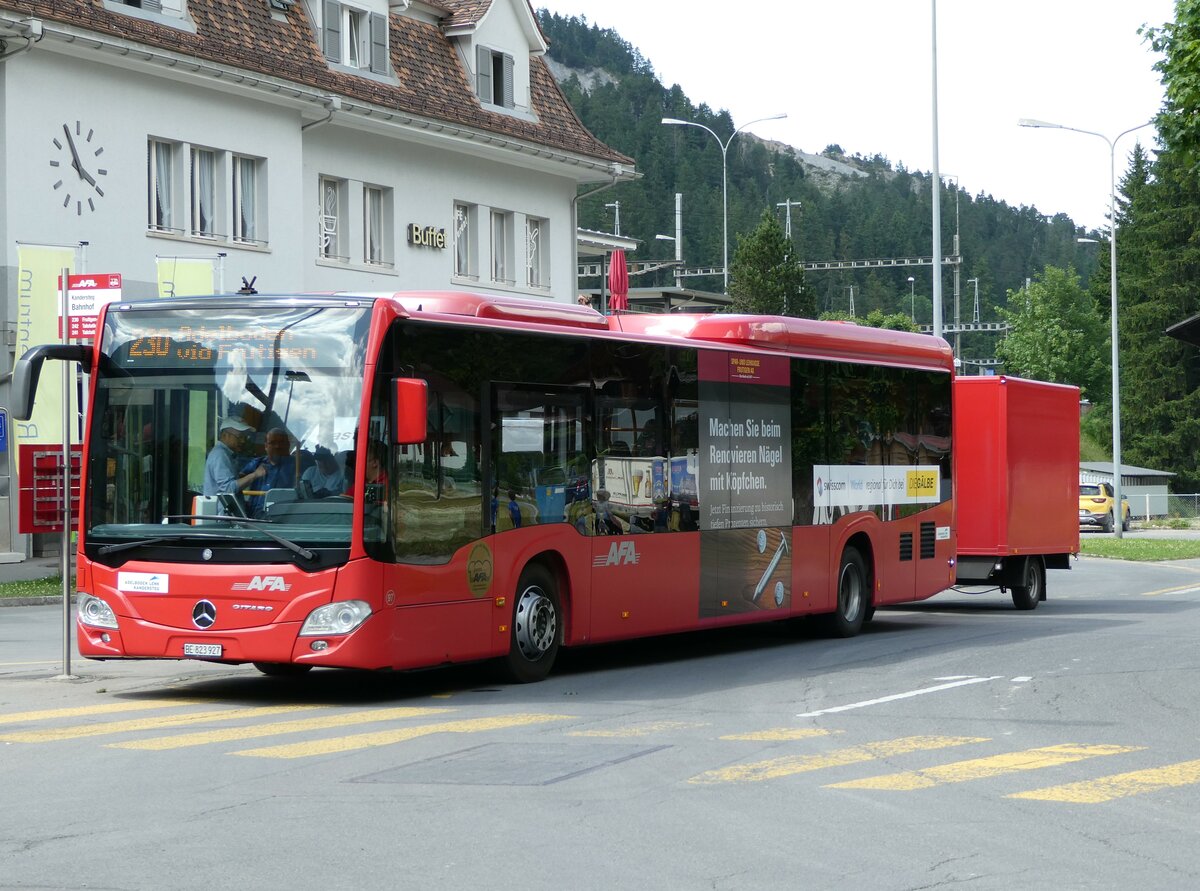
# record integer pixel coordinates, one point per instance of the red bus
(406, 480)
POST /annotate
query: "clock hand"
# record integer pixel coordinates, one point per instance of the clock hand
(75, 162)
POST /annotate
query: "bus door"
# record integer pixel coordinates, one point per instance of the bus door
(642, 575)
(539, 476)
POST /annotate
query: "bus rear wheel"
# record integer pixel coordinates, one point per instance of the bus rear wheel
(536, 626)
(853, 596)
(282, 669)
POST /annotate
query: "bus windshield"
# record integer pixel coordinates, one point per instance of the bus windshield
(227, 425)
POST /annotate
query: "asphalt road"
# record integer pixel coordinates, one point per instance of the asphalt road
(955, 742)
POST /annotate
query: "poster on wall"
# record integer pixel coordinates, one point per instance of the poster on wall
(744, 483)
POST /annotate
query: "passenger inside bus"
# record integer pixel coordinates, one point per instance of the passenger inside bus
(324, 478)
(221, 475)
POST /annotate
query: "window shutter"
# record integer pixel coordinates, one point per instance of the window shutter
(483, 73)
(508, 81)
(333, 30)
(379, 43)
(152, 5)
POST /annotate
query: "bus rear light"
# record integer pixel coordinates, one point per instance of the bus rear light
(95, 612)
(336, 618)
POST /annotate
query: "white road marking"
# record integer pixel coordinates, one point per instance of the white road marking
(896, 696)
(1022, 679)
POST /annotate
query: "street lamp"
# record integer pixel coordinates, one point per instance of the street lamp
(1118, 512)
(912, 299)
(724, 177)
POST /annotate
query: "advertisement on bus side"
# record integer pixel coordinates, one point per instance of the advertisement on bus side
(744, 483)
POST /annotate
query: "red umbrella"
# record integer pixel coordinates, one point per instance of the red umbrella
(618, 282)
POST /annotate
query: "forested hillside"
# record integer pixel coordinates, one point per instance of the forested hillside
(884, 211)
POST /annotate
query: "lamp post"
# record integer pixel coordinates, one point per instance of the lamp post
(676, 122)
(1118, 511)
(912, 299)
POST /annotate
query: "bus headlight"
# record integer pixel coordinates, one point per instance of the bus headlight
(335, 618)
(95, 612)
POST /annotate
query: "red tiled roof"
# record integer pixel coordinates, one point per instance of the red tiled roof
(464, 12)
(431, 81)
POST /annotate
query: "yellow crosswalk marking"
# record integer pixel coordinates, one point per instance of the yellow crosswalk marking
(782, 734)
(982, 768)
(782, 767)
(637, 730)
(106, 709)
(1122, 785)
(79, 731)
(256, 731)
(401, 734)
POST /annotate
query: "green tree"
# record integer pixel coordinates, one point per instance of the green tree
(1056, 333)
(766, 277)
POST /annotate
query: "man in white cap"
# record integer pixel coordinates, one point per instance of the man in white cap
(220, 470)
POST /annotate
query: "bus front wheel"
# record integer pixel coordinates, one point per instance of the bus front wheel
(853, 596)
(536, 626)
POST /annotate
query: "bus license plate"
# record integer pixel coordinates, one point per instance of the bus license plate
(198, 649)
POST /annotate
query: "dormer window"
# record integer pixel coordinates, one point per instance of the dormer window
(355, 37)
(494, 77)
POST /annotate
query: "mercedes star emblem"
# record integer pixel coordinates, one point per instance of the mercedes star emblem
(204, 614)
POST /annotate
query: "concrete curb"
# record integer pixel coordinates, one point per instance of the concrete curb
(34, 601)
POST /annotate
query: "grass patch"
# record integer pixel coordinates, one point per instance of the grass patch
(51, 587)
(1141, 549)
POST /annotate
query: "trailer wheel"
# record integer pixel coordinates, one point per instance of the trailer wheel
(282, 669)
(852, 596)
(536, 626)
(1033, 587)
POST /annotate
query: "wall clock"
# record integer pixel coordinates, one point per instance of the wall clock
(76, 160)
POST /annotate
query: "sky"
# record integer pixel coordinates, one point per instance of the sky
(858, 73)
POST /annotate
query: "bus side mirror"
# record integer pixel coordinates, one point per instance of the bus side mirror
(410, 396)
(29, 368)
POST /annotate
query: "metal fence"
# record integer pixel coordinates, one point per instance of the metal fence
(1179, 507)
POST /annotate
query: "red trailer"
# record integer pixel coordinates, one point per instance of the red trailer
(1017, 478)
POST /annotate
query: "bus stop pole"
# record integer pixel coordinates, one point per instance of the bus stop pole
(67, 373)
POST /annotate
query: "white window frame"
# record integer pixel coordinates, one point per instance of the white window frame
(331, 219)
(249, 208)
(203, 222)
(355, 37)
(162, 165)
(464, 253)
(377, 225)
(494, 77)
(203, 193)
(502, 243)
(537, 266)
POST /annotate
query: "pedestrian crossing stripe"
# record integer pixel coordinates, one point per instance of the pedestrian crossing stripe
(109, 708)
(638, 729)
(1122, 785)
(983, 768)
(107, 728)
(781, 767)
(783, 734)
(279, 728)
(352, 743)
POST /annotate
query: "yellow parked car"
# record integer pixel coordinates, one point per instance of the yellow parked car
(1096, 502)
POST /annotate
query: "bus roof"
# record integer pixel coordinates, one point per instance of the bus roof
(784, 334)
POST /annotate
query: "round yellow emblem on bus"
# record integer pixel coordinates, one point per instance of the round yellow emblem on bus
(479, 570)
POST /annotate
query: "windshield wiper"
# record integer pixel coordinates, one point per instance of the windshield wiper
(128, 545)
(249, 523)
